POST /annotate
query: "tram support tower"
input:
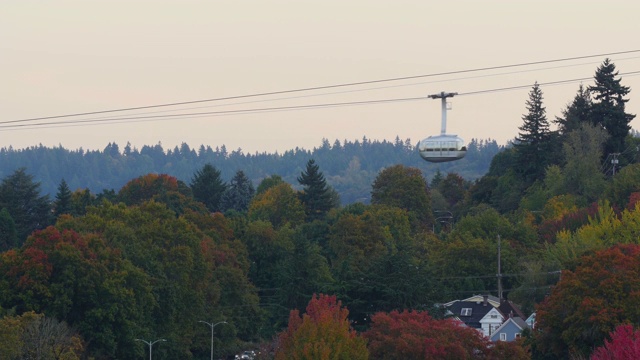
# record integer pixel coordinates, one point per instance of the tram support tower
(443, 95)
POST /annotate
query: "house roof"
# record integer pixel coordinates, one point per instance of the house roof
(507, 307)
(478, 311)
(517, 321)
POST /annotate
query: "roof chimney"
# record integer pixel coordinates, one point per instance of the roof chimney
(484, 299)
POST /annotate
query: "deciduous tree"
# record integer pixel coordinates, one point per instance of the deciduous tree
(322, 333)
(624, 344)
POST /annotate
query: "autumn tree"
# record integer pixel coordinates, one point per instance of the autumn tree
(238, 194)
(207, 186)
(405, 188)
(20, 195)
(624, 344)
(417, 335)
(268, 183)
(316, 194)
(608, 110)
(322, 333)
(533, 143)
(589, 302)
(278, 205)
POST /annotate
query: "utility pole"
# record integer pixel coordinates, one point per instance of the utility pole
(499, 273)
(614, 162)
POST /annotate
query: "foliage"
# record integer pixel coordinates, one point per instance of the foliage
(624, 344)
(34, 336)
(534, 139)
(416, 335)
(238, 194)
(608, 109)
(322, 333)
(316, 194)
(20, 195)
(62, 204)
(577, 113)
(589, 302)
(208, 187)
(8, 231)
(405, 188)
(279, 205)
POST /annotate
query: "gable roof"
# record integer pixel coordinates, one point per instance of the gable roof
(510, 309)
(517, 321)
(478, 311)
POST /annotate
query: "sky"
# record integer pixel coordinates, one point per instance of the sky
(69, 57)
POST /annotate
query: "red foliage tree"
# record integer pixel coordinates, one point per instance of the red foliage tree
(589, 302)
(322, 333)
(624, 345)
(416, 335)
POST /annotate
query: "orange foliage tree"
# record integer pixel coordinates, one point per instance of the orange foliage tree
(416, 335)
(588, 303)
(322, 333)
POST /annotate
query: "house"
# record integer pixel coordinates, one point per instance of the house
(487, 314)
(480, 315)
(510, 330)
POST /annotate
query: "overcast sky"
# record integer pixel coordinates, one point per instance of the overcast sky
(68, 57)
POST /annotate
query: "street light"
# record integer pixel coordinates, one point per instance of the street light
(212, 326)
(150, 344)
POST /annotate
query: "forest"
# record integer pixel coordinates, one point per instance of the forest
(344, 252)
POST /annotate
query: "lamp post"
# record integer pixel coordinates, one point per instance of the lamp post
(150, 344)
(212, 326)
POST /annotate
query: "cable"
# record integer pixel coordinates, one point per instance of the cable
(328, 86)
(271, 109)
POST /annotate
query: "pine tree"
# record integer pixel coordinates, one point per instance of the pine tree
(576, 113)
(62, 204)
(239, 194)
(20, 195)
(608, 110)
(208, 187)
(316, 195)
(533, 143)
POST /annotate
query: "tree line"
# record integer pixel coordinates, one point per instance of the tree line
(160, 254)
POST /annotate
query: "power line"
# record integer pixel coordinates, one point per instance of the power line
(326, 86)
(97, 121)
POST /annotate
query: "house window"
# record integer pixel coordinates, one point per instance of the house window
(465, 312)
(518, 336)
(503, 336)
(494, 316)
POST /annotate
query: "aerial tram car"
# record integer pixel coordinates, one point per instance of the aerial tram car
(443, 147)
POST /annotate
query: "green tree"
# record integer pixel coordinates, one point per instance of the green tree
(8, 231)
(239, 193)
(533, 143)
(279, 205)
(322, 333)
(62, 204)
(268, 183)
(20, 195)
(405, 188)
(316, 194)
(208, 187)
(577, 113)
(608, 110)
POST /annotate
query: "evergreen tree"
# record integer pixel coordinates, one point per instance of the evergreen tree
(608, 110)
(8, 232)
(20, 195)
(316, 195)
(62, 204)
(208, 187)
(533, 144)
(239, 194)
(576, 113)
